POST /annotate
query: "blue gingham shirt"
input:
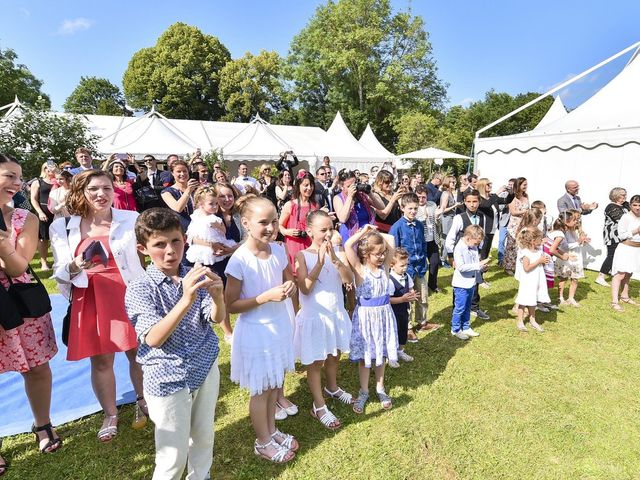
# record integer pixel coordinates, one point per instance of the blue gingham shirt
(185, 358)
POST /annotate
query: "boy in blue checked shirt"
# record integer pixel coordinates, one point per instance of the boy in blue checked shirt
(171, 308)
(409, 234)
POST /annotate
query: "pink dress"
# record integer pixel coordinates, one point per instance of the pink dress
(124, 198)
(33, 343)
(298, 221)
(99, 321)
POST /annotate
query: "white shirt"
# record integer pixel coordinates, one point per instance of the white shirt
(467, 260)
(243, 182)
(400, 279)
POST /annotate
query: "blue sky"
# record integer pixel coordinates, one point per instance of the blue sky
(511, 46)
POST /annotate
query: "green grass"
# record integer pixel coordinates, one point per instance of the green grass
(507, 405)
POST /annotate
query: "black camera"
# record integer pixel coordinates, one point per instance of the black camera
(302, 234)
(363, 187)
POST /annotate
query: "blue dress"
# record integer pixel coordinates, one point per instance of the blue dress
(374, 332)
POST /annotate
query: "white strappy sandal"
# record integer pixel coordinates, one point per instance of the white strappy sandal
(328, 419)
(341, 395)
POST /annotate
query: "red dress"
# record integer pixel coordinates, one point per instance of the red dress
(297, 220)
(34, 342)
(123, 198)
(99, 321)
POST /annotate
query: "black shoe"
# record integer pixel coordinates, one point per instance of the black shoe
(480, 314)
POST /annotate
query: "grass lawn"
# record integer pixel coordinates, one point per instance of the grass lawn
(508, 405)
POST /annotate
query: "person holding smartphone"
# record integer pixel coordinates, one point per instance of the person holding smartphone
(98, 328)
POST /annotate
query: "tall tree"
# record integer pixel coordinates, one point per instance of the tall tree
(17, 79)
(97, 96)
(358, 57)
(37, 135)
(179, 75)
(252, 84)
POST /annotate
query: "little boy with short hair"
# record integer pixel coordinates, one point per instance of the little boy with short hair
(171, 308)
(403, 295)
(467, 274)
(408, 233)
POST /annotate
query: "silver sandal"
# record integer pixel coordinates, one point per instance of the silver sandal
(385, 400)
(358, 405)
(109, 432)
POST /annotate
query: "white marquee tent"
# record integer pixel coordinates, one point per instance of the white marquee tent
(597, 144)
(258, 140)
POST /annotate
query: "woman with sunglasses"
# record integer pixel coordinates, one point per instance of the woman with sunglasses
(354, 209)
(383, 192)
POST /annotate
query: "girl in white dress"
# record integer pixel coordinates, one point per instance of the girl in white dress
(323, 326)
(531, 276)
(374, 332)
(206, 229)
(626, 260)
(259, 287)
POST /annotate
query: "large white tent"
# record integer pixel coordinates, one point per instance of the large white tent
(257, 141)
(597, 144)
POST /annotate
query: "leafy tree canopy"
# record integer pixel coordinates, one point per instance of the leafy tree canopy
(252, 84)
(179, 75)
(36, 135)
(358, 57)
(16, 79)
(97, 96)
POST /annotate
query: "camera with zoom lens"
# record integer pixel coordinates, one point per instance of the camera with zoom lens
(363, 187)
(302, 234)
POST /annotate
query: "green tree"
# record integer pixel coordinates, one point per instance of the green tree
(97, 96)
(36, 135)
(179, 75)
(16, 79)
(358, 57)
(252, 84)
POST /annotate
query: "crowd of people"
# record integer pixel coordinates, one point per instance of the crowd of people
(314, 264)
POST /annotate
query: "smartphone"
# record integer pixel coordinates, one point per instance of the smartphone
(194, 176)
(3, 226)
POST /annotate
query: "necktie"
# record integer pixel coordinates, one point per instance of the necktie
(575, 203)
(474, 219)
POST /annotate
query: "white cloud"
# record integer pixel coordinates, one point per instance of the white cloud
(465, 102)
(69, 27)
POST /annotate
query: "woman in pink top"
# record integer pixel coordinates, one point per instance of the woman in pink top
(123, 198)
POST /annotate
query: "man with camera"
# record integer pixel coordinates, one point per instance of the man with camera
(285, 164)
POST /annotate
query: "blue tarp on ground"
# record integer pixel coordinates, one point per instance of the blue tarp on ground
(72, 397)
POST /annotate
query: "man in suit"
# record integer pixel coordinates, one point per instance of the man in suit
(147, 184)
(571, 200)
(323, 192)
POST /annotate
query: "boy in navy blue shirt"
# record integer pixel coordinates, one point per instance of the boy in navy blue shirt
(172, 308)
(408, 233)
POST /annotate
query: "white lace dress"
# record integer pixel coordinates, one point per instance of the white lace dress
(374, 332)
(262, 348)
(207, 228)
(323, 326)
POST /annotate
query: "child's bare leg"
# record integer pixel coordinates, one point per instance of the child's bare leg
(380, 378)
(331, 372)
(520, 322)
(363, 374)
(561, 283)
(532, 319)
(314, 380)
(259, 413)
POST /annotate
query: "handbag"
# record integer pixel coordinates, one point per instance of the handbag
(30, 299)
(10, 317)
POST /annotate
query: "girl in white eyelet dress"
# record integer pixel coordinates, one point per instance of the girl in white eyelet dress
(374, 334)
(207, 227)
(259, 287)
(323, 326)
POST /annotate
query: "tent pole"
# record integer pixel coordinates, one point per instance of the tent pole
(555, 89)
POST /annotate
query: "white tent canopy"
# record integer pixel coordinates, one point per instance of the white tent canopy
(346, 152)
(555, 112)
(597, 144)
(369, 141)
